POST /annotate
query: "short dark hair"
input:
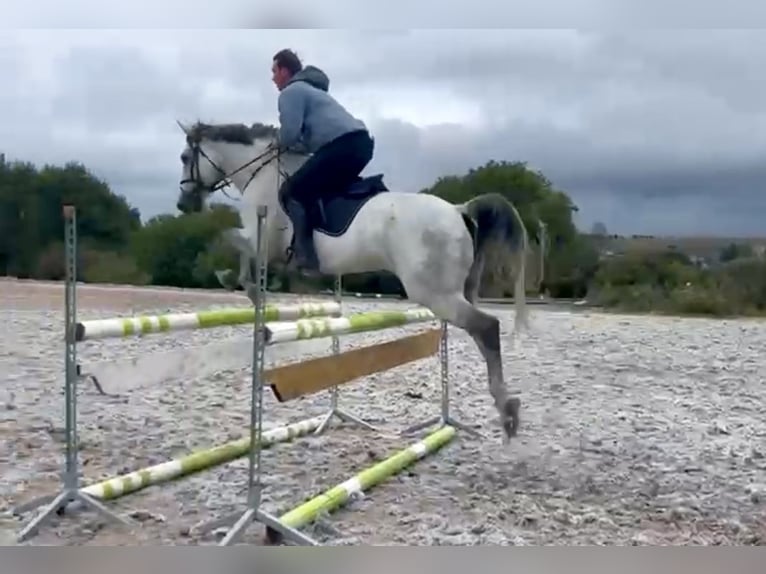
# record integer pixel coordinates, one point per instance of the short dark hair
(288, 59)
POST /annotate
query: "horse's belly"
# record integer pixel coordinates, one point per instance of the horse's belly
(363, 246)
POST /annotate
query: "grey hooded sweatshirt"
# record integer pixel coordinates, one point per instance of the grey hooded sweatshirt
(309, 116)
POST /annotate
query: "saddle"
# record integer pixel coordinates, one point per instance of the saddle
(334, 213)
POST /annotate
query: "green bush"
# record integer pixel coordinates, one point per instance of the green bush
(668, 282)
(635, 298)
(183, 251)
(744, 280)
(51, 264)
(698, 300)
(218, 256)
(111, 267)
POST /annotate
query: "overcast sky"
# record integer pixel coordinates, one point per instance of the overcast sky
(649, 132)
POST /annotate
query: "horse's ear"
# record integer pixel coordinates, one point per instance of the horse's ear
(185, 129)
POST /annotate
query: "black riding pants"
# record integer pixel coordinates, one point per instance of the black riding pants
(330, 170)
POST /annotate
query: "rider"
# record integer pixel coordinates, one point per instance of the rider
(314, 122)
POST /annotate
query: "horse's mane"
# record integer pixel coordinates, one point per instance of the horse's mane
(232, 133)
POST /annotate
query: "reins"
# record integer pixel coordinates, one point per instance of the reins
(225, 181)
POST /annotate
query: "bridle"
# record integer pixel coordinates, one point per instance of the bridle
(195, 177)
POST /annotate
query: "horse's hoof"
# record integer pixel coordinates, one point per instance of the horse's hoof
(310, 273)
(511, 416)
(252, 291)
(227, 278)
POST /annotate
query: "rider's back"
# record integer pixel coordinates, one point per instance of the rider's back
(310, 115)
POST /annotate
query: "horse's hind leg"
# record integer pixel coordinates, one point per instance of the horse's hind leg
(485, 331)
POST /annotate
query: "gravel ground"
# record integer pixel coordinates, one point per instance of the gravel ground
(635, 430)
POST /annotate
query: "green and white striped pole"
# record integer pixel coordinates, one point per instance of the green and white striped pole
(340, 494)
(357, 323)
(120, 327)
(195, 462)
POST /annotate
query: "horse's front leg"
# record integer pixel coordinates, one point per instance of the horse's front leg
(245, 271)
(240, 242)
(227, 279)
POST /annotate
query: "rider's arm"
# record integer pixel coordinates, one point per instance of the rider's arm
(291, 103)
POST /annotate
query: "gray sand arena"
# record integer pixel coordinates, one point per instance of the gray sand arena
(636, 430)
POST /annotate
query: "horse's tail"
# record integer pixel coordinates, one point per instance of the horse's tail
(498, 223)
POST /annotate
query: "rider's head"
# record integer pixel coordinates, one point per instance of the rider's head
(284, 66)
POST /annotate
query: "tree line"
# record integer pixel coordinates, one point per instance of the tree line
(115, 246)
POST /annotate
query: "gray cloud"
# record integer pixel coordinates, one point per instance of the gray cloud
(311, 14)
(593, 14)
(650, 132)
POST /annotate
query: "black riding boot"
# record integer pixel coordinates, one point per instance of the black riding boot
(303, 244)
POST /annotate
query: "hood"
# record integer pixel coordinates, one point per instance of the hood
(312, 76)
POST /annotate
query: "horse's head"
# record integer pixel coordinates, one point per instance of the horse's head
(204, 166)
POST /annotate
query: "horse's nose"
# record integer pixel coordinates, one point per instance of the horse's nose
(179, 206)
